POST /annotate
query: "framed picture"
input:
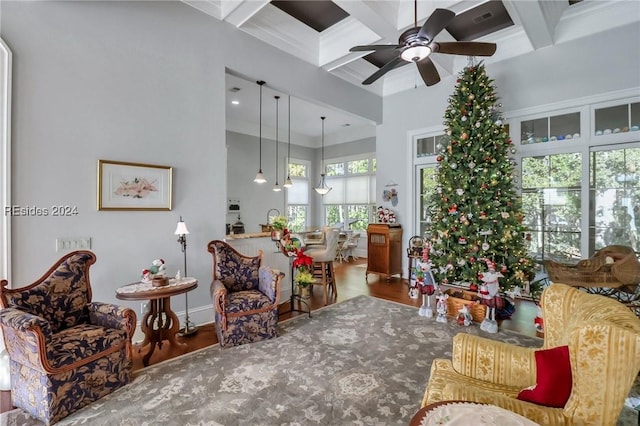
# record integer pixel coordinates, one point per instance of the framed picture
(133, 186)
(233, 205)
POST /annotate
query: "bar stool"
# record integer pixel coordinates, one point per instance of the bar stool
(323, 264)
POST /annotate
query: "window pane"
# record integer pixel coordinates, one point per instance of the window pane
(425, 146)
(359, 214)
(551, 202)
(535, 172)
(357, 190)
(566, 170)
(428, 185)
(335, 169)
(337, 193)
(552, 218)
(562, 170)
(372, 189)
(564, 126)
(297, 170)
(334, 214)
(297, 218)
(358, 166)
(299, 192)
(608, 119)
(374, 163)
(615, 195)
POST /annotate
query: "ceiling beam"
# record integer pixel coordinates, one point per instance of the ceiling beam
(363, 12)
(539, 19)
(244, 11)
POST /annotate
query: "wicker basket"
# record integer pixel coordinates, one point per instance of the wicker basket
(458, 298)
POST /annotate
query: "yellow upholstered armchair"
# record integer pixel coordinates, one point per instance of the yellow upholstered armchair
(603, 339)
(65, 350)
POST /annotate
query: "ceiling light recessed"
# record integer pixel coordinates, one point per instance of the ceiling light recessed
(234, 102)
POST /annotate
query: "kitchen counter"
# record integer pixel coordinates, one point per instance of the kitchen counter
(247, 235)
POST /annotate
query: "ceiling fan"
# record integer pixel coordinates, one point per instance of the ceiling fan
(417, 43)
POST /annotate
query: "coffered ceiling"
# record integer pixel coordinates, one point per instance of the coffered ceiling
(322, 32)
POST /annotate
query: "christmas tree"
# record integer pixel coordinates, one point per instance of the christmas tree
(475, 212)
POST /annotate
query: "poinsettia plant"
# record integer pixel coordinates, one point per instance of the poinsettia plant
(303, 264)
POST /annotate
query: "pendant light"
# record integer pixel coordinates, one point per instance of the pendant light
(260, 176)
(322, 187)
(276, 187)
(288, 183)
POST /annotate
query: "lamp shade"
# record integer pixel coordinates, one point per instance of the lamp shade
(181, 229)
(260, 177)
(322, 187)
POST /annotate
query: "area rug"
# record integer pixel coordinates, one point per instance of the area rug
(364, 361)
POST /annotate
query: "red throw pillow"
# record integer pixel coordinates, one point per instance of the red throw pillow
(553, 378)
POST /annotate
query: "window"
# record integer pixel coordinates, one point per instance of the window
(426, 187)
(351, 202)
(551, 202)
(426, 146)
(552, 193)
(614, 189)
(298, 195)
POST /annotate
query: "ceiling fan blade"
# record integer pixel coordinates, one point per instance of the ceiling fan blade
(438, 20)
(468, 48)
(373, 47)
(428, 71)
(385, 69)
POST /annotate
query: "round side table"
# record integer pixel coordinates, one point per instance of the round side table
(159, 322)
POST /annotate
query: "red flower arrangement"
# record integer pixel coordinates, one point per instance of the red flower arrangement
(302, 261)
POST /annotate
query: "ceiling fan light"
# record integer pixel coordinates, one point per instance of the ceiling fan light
(260, 177)
(415, 53)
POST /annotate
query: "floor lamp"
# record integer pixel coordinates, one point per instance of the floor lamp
(181, 232)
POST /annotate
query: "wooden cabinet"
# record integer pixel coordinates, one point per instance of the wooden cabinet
(384, 249)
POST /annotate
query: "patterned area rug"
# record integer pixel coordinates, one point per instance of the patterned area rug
(364, 361)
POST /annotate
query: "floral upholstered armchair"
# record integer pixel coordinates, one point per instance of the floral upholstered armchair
(65, 350)
(600, 338)
(245, 296)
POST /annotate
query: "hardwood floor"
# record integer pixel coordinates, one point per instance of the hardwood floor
(350, 278)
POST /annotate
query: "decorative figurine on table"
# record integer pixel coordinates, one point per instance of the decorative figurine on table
(441, 307)
(464, 316)
(426, 283)
(157, 269)
(488, 292)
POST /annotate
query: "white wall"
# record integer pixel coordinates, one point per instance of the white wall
(141, 82)
(607, 62)
(256, 200)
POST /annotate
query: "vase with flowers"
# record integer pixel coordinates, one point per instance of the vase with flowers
(303, 276)
(278, 227)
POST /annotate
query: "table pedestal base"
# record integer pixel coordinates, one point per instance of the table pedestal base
(159, 323)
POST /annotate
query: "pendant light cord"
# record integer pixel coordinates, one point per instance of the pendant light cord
(277, 143)
(261, 83)
(323, 169)
(289, 147)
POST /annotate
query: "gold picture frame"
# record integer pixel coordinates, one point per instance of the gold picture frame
(134, 186)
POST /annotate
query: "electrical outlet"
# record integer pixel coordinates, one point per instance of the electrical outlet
(144, 307)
